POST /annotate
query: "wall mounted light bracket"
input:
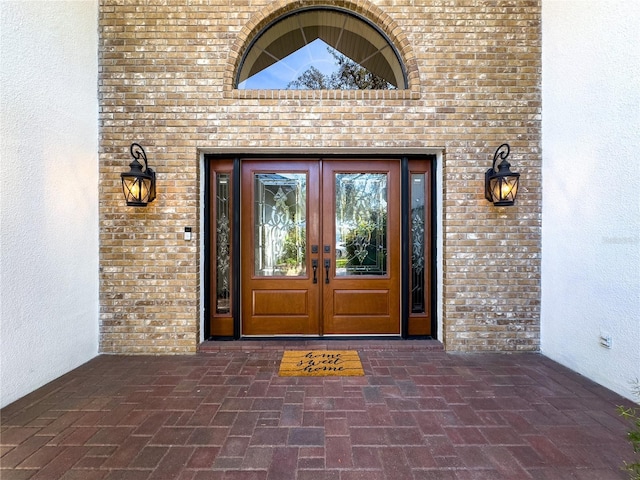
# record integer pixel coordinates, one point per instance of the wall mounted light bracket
(138, 185)
(501, 186)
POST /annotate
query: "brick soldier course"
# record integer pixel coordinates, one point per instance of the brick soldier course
(166, 82)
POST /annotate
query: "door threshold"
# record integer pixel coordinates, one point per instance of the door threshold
(340, 337)
(347, 343)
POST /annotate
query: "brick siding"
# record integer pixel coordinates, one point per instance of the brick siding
(166, 81)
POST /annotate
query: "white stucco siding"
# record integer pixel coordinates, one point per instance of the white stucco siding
(49, 191)
(591, 188)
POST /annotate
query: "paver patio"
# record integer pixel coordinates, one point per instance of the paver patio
(223, 414)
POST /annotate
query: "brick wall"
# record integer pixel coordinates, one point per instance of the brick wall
(166, 73)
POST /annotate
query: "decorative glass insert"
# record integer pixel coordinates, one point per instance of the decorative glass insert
(418, 290)
(361, 223)
(223, 243)
(280, 224)
(321, 48)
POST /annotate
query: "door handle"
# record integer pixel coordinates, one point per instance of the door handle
(327, 265)
(314, 265)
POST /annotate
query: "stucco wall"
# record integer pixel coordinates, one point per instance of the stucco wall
(49, 191)
(591, 171)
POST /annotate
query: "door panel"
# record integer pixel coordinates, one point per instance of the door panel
(360, 302)
(320, 247)
(361, 216)
(279, 218)
(281, 302)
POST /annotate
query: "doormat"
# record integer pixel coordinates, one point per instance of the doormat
(320, 363)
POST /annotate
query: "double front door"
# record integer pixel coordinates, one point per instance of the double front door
(320, 247)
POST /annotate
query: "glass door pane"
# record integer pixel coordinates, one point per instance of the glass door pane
(280, 224)
(361, 224)
(223, 242)
(418, 222)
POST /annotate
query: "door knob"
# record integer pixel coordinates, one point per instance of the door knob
(327, 265)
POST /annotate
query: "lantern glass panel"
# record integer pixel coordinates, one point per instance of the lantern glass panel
(504, 190)
(136, 189)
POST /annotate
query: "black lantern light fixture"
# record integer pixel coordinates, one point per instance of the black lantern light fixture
(501, 186)
(138, 185)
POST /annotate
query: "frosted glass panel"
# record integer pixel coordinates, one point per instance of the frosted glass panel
(280, 224)
(361, 223)
(223, 244)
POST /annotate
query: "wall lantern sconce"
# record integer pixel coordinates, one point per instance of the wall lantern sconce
(501, 186)
(138, 186)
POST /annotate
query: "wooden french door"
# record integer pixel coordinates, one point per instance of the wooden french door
(320, 247)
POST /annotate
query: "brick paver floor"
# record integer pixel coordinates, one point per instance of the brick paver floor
(225, 414)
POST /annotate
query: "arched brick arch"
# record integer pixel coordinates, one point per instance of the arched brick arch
(365, 9)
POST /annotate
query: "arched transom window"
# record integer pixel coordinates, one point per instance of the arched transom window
(321, 48)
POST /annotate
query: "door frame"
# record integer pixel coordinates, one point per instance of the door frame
(209, 159)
